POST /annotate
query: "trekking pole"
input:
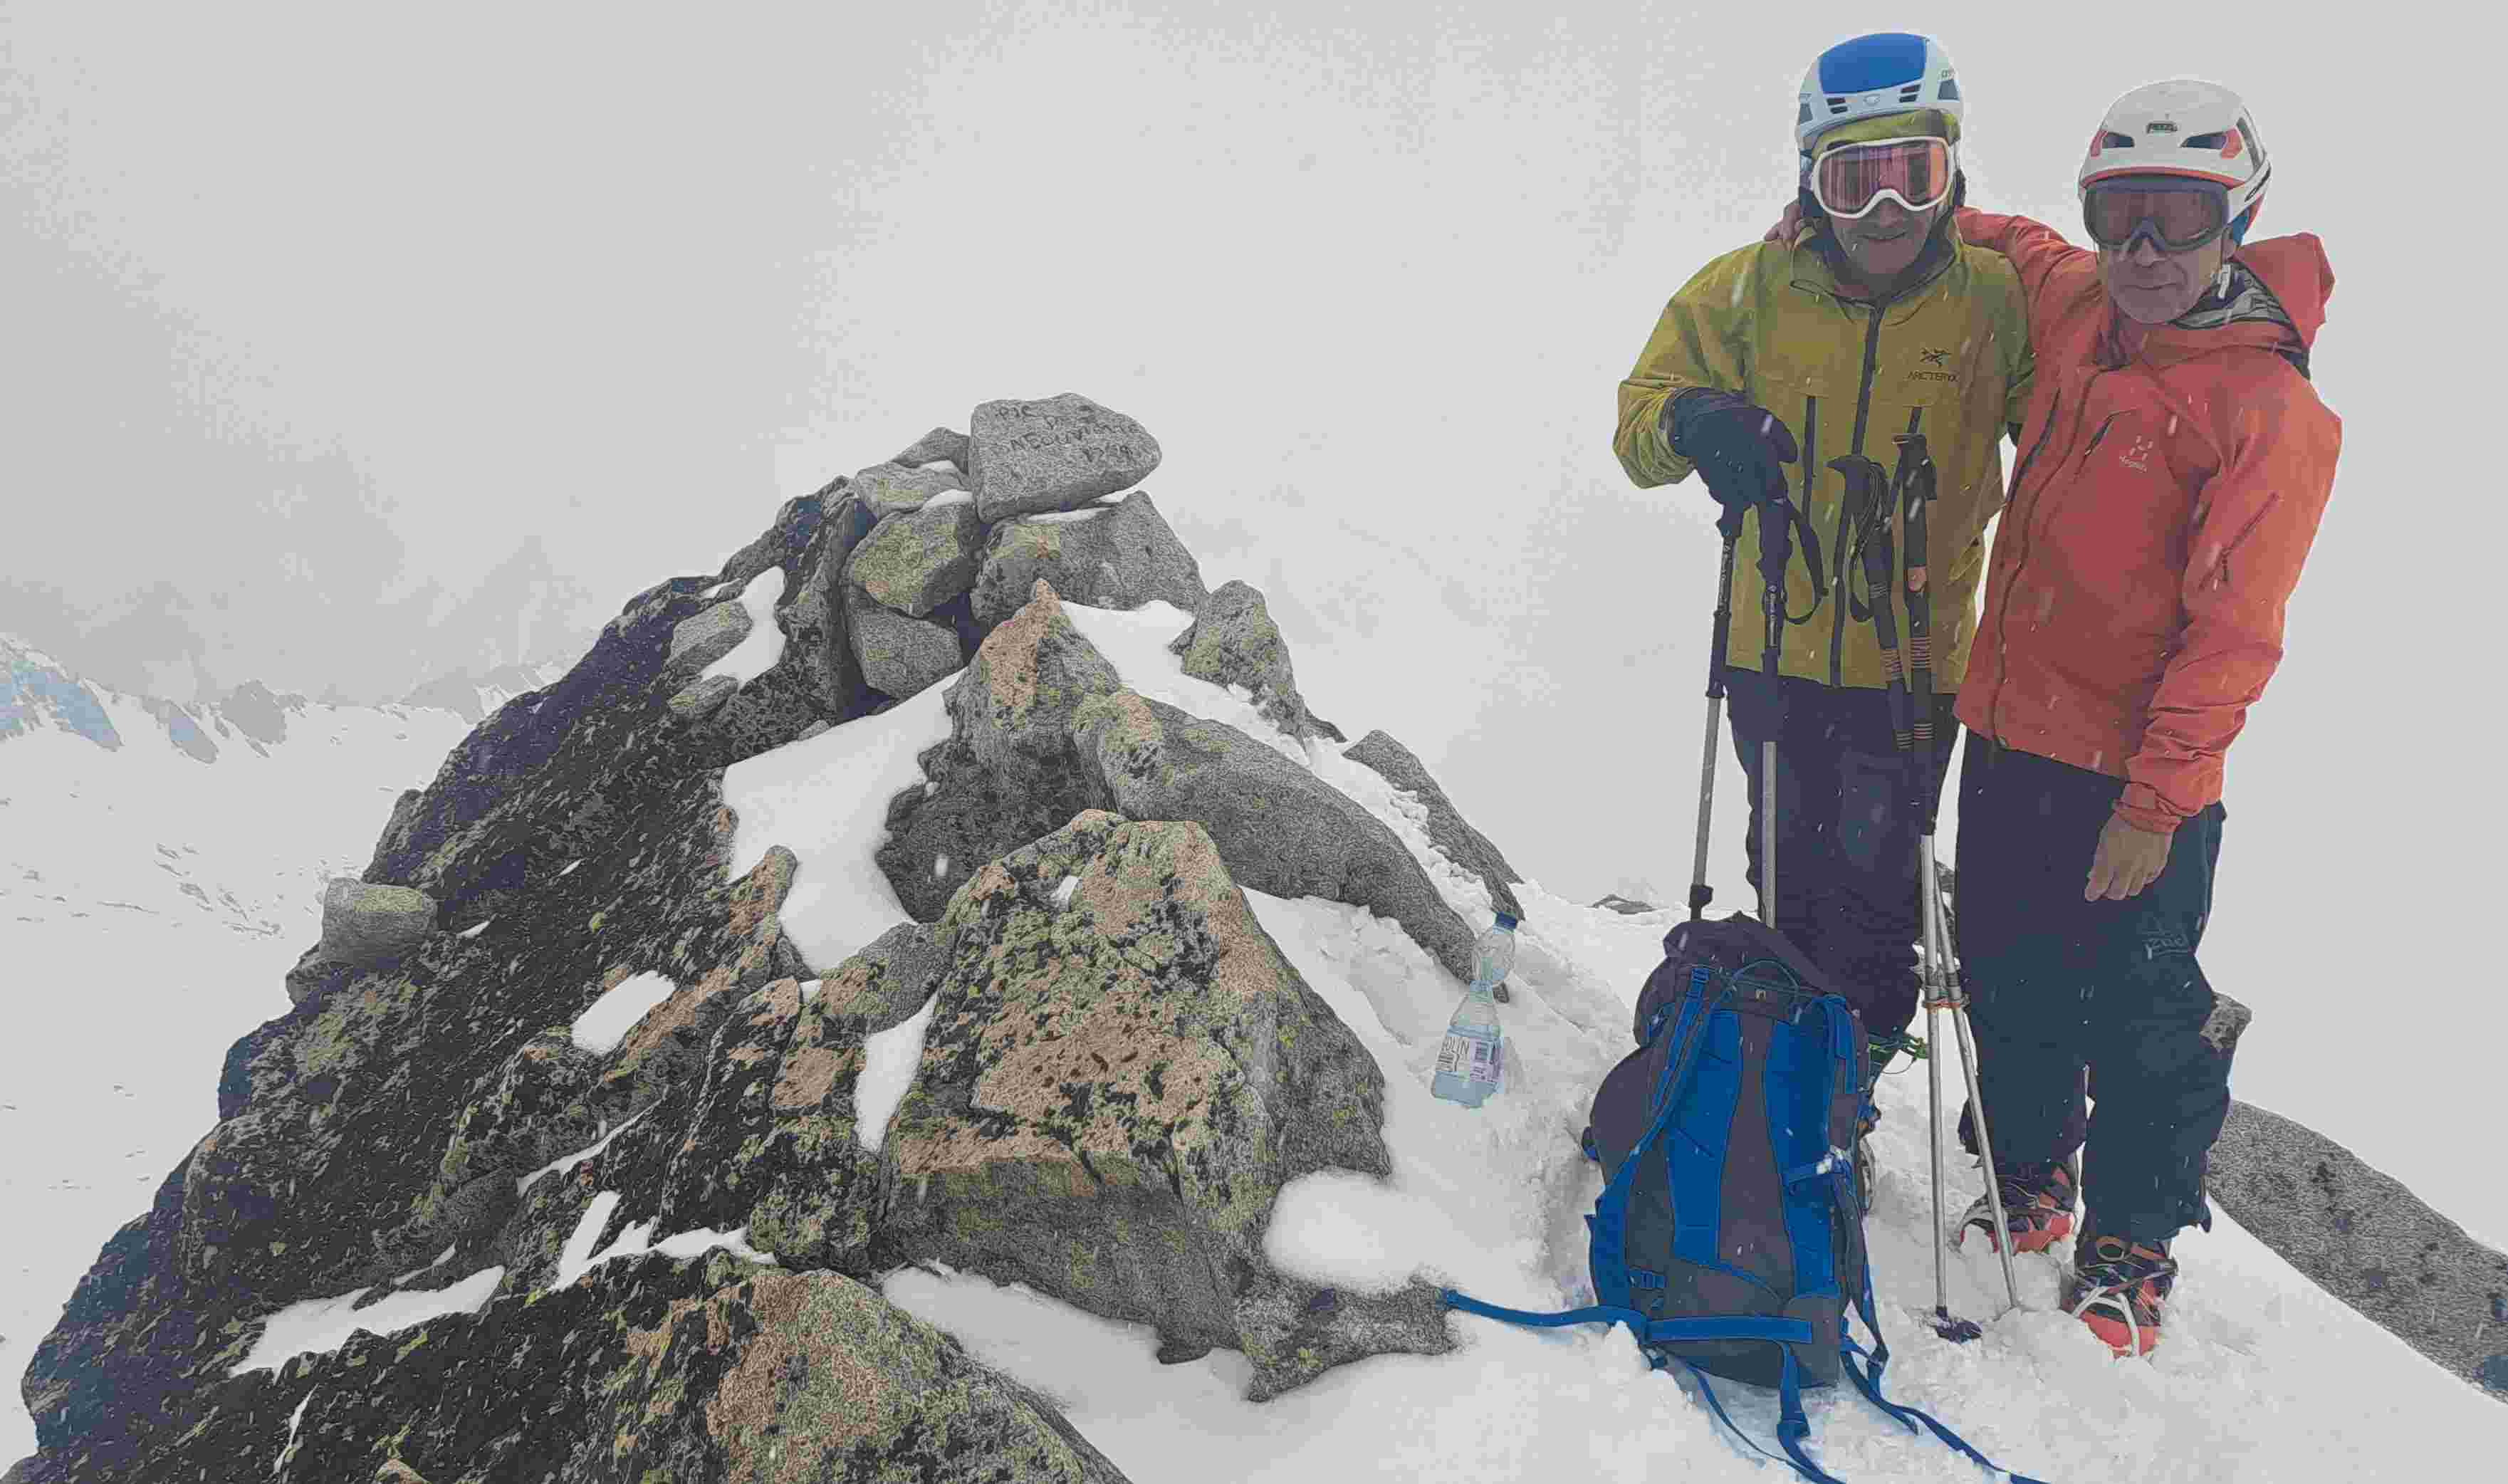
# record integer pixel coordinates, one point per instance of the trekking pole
(1868, 507)
(1943, 990)
(1700, 893)
(1776, 551)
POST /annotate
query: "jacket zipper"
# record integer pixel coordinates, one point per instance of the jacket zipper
(1862, 414)
(2020, 563)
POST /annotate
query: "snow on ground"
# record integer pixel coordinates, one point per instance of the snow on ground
(605, 1024)
(825, 801)
(576, 1258)
(890, 1060)
(2264, 1377)
(320, 1327)
(757, 653)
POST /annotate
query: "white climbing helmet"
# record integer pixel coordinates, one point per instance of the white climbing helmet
(2188, 128)
(1869, 76)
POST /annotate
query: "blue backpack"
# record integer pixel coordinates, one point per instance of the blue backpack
(1729, 1234)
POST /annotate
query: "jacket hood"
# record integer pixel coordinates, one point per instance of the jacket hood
(2295, 268)
(2277, 302)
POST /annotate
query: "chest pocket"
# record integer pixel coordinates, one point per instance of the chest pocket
(2122, 513)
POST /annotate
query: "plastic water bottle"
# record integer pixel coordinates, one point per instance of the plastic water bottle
(1468, 1063)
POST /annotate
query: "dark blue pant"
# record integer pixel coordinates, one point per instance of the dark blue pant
(1846, 832)
(2058, 985)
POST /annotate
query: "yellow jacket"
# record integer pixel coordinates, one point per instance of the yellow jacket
(1770, 323)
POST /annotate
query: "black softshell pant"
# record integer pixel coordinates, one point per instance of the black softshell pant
(2057, 984)
(1847, 824)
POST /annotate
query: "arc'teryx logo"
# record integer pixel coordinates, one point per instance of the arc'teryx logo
(2137, 455)
(1935, 358)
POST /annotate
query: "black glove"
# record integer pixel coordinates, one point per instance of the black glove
(1736, 445)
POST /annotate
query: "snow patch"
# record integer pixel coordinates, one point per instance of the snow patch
(475, 929)
(320, 1327)
(566, 1162)
(825, 799)
(1066, 517)
(940, 868)
(890, 1060)
(577, 1258)
(570, 869)
(602, 1027)
(295, 1420)
(757, 653)
(1062, 894)
(950, 497)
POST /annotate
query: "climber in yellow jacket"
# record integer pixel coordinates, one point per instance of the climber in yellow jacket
(1775, 359)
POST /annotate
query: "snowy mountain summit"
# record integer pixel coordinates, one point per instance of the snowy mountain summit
(932, 1000)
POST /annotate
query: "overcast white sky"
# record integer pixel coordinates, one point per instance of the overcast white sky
(330, 323)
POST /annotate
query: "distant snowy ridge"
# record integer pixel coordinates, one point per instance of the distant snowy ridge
(39, 691)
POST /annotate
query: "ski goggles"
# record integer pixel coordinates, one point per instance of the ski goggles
(2177, 215)
(1850, 180)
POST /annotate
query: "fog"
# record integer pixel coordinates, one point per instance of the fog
(349, 346)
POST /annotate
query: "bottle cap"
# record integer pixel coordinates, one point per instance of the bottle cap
(1506, 922)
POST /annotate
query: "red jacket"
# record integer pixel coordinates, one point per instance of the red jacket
(2169, 486)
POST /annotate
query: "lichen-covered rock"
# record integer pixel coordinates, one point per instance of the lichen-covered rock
(364, 924)
(888, 489)
(709, 636)
(888, 980)
(2364, 1238)
(807, 1188)
(1448, 829)
(901, 656)
(645, 1369)
(1055, 453)
(1041, 728)
(326, 1172)
(1121, 556)
(530, 1109)
(1028, 678)
(700, 699)
(1120, 1073)
(1284, 830)
(1233, 642)
(939, 445)
(669, 1043)
(795, 526)
(914, 561)
(814, 619)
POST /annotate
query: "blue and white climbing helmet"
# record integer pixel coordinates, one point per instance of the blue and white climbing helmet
(1885, 73)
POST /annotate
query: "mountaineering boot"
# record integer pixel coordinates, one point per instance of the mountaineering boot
(2038, 1202)
(2119, 1289)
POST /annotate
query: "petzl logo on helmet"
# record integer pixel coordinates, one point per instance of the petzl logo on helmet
(2160, 127)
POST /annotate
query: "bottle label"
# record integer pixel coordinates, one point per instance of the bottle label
(1472, 1056)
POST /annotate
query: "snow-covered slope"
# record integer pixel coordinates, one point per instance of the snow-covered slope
(2263, 1378)
(161, 868)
